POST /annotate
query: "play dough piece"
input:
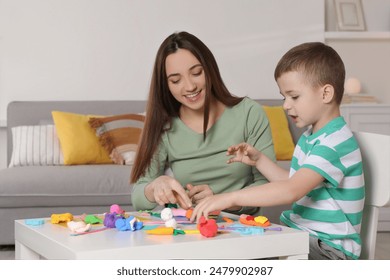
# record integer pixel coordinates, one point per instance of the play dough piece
(166, 214)
(130, 223)
(78, 227)
(91, 219)
(261, 219)
(115, 208)
(254, 221)
(110, 219)
(135, 224)
(189, 213)
(161, 231)
(208, 228)
(34, 222)
(214, 214)
(179, 212)
(171, 223)
(211, 214)
(243, 230)
(191, 231)
(58, 218)
(178, 231)
(228, 220)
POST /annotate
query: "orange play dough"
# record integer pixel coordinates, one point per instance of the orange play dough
(259, 221)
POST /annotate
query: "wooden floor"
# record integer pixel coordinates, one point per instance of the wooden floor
(382, 248)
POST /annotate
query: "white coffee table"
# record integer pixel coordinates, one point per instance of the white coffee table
(50, 241)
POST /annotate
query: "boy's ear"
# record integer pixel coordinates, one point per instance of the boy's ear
(327, 93)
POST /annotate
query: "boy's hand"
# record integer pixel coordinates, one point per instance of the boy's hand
(244, 153)
(198, 193)
(217, 202)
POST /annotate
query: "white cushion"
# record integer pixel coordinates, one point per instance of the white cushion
(35, 145)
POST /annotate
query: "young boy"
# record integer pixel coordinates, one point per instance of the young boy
(325, 182)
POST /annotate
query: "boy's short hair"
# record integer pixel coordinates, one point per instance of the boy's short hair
(319, 63)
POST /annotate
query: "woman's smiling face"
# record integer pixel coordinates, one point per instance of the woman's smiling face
(186, 79)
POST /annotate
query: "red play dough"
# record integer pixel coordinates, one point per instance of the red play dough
(208, 228)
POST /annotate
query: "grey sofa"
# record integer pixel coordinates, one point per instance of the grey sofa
(39, 191)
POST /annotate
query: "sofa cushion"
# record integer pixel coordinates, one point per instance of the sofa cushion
(35, 145)
(81, 185)
(119, 135)
(281, 136)
(79, 143)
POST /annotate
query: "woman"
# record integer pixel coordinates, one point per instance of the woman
(191, 120)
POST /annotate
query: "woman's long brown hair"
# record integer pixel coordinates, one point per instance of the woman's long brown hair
(162, 106)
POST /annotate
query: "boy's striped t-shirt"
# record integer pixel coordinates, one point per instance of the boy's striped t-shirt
(333, 210)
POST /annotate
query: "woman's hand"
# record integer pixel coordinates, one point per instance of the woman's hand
(244, 153)
(165, 189)
(217, 202)
(199, 192)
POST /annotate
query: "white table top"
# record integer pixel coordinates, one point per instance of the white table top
(53, 241)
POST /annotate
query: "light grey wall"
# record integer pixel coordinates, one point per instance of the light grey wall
(3, 148)
(367, 59)
(104, 49)
(376, 14)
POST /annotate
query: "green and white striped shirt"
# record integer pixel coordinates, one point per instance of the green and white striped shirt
(333, 210)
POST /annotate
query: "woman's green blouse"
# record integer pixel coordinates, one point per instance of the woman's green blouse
(197, 161)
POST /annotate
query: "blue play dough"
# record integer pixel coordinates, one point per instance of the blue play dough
(124, 224)
(34, 222)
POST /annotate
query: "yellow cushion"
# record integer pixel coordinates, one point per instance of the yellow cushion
(283, 141)
(79, 144)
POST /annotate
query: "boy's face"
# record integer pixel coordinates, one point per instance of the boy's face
(302, 102)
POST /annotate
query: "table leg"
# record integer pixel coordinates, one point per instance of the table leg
(22, 252)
